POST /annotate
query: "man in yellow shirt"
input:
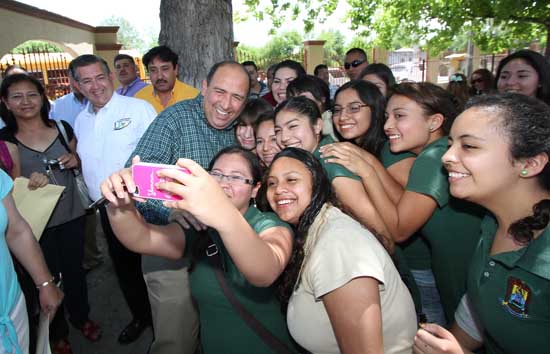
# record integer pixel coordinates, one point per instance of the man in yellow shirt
(166, 89)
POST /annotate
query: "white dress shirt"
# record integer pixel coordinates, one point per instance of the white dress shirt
(106, 138)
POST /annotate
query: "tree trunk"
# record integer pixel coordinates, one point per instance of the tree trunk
(200, 32)
(547, 50)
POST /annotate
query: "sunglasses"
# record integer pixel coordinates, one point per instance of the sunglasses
(475, 81)
(353, 64)
(456, 78)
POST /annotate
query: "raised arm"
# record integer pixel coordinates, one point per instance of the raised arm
(131, 228)
(260, 258)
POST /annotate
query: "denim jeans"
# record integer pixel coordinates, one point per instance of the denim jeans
(429, 296)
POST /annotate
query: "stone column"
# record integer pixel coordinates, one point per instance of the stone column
(313, 55)
(106, 43)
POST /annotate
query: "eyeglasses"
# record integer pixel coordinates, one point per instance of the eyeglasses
(353, 64)
(18, 97)
(231, 179)
(351, 108)
(476, 81)
(100, 79)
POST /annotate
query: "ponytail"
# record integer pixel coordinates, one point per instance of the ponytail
(523, 229)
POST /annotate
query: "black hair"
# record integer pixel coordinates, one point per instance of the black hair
(263, 117)
(252, 160)
(373, 139)
(382, 71)
(7, 115)
(85, 60)
(319, 68)
(250, 63)
(253, 109)
(300, 105)
(358, 51)
(122, 57)
(12, 67)
(537, 62)
(459, 89)
(432, 98)
(526, 122)
(290, 64)
(487, 77)
(312, 84)
(321, 193)
(220, 65)
(163, 52)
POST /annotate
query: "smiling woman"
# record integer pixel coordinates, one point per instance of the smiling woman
(333, 283)
(244, 251)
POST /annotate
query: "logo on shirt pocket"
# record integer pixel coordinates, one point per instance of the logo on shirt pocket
(122, 123)
(517, 298)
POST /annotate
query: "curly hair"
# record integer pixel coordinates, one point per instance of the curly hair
(525, 121)
(321, 194)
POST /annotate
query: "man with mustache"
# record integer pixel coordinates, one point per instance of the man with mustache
(195, 129)
(127, 74)
(162, 64)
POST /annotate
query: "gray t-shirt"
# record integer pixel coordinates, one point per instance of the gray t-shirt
(69, 206)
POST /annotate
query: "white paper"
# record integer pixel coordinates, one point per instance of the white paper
(43, 339)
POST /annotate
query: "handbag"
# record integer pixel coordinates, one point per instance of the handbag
(81, 187)
(215, 260)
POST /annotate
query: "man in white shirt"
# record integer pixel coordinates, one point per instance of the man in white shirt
(107, 131)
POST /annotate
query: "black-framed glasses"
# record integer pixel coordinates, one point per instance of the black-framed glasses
(354, 64)
(231, 179)
(351, 108)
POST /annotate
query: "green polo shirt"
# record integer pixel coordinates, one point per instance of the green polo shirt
(510, 293)
(416, 250)
(222, 329)
(452, 231)
(333, 170)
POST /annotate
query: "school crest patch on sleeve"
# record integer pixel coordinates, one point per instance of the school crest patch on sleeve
(517, 298)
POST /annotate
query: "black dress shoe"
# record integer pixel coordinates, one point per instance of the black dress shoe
(132, 331)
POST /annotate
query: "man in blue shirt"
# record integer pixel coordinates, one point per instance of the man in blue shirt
(127, 74)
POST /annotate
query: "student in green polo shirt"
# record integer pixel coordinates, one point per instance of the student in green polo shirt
(250, 249)
(298, 124)
(418, 117)
(499, 158)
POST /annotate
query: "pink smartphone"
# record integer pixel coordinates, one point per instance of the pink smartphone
(145, 177)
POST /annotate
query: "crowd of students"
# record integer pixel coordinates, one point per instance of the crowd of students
(395, 217)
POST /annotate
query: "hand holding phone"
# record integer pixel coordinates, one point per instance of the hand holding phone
(146, 178)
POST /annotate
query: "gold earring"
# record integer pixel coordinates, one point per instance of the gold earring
(524, 172)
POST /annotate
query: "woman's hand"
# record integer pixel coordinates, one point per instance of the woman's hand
(350, 156)
(119, 187)
(68, 160)
(199, 192)
(432, 338)
(37, 180)
(50, 297)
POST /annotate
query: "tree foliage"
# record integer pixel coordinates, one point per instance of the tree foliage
(287, 45)
(129, 36)
(36, 46)
(493, 25)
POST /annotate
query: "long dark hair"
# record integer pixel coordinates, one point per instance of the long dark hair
(374, 138)
(7, 115)
(312, 84)
(526, 123)
(321, 193)
(537, 62)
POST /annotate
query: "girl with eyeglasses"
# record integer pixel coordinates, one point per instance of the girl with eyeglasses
(498, 157)
(418, 117)
(298, 124)
(248, 249)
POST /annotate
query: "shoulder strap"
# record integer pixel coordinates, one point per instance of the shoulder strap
(63, 132)
(271, 340)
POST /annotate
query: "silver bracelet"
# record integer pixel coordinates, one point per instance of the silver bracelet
(45, 284)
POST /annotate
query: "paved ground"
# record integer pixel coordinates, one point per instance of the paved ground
(109, 310)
